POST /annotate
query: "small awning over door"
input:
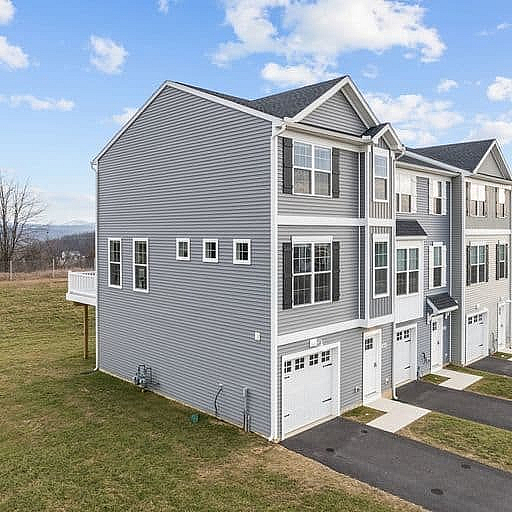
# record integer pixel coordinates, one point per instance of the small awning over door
(441, 303)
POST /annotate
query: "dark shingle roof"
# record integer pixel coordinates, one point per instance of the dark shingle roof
(407, 159)
(283, 104)
(442, 301)
(374, 130)
(409, 228)
(464, 155)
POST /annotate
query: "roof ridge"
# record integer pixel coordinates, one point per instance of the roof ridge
(452, 144)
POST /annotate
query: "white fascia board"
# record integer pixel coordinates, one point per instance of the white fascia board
(195, 92)
(425, 159)
(504, 160)
(502, 164)
(325, 133)
(484, 179)
(388, 131)
(364, 104)
(300, 220)
(425, 170)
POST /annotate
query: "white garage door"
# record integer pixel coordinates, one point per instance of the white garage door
(309, 389)
(476, 336)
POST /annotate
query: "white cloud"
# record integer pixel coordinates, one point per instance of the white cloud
(123, 118)
(290, 76)
(6, 11)
(371, 71)
(12, 56)
(163, 6)
(310, 31)
(504, 26)
(446, 85)
(500, 89)
(38, 103)
(107, 56)
(489, 128)
(65, 206)
(416, 119)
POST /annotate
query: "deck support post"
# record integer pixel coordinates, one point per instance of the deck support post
(86, 331)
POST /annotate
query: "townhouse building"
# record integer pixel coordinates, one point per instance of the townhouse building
(278, 261)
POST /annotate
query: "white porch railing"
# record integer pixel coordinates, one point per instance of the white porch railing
(82, 287)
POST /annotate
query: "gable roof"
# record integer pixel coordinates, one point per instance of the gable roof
(283, 104)
(464, 155)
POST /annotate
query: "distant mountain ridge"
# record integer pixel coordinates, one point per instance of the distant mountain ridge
(51, 231)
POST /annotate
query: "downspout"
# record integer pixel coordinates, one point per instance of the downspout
(95, 168)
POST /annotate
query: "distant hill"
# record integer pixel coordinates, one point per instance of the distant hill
(52, 231)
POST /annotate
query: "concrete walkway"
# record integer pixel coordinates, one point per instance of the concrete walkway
(437, 480)
(457, 380)
(462, 404)
(494, 365)
(398, 415)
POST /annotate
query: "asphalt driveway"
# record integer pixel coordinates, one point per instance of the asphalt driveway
(494, 365)
(463, 404)
(432, 478)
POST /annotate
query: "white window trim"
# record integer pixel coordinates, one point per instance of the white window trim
(187, 241)
(400, 175)
(142, 290)
(312, 242)
(443, 266)
(385, 153)
(504, 203)
(407, 271)
(478, 245)
(499, 261)
(210, 260)
(486, 206)
(120, 285)
(380, 237)
(443, 196)
(242, 241)
(312, 169)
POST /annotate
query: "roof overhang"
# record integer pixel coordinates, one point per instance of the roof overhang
(388, 133)
(453, 171)
(440, 311)
(498, 155)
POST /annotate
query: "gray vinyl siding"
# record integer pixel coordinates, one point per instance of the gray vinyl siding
(380, 210)
(381, 306)
(350, 345)
(490, 167)
(362, 185)
(487, 295)
(336, 114)
(458, 269)
(347, 205)
(386, 356)
(188, 167)
(318, 315)
(491, 221)
(362, 272)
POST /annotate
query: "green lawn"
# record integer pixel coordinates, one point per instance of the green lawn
(434, 379)
(482, 443)
(490, 384)
(363, 414)
(71, 441)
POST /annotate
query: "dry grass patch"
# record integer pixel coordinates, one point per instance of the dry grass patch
(490, 384)
(363, 414)
(434, 379)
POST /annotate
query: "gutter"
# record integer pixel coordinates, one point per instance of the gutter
(94, 167)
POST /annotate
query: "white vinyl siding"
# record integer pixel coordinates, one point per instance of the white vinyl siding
(140, 265)
(210, 250)
(380, 175)
(115, 266)
(437, 197)
(437, 262)
(183, 249)
(311, 169)
(242, 252)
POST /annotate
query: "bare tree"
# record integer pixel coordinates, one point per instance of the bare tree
(19, 207)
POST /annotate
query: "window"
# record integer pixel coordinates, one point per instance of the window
(210, 250)
(242, 252)
(311, 169)
(326, 356)
(183, 249)
(299, 363)
(501, 261)
(437, 197)
(313, 359)
(437, 267)
(140, 264)
(381, 267)
(287, 367)
(311, 273)
(500, 202)
(477, 203)
(114, 263)
(407, 271)
(477, 264)
(405, 193)
(380, 175)
(368, 343)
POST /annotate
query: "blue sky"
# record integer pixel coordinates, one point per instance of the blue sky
(439, 71)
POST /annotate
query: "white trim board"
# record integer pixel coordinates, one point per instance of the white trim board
(488, 232)
(317, 220)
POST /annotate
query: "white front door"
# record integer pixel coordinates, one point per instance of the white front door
(502, 323)
(404, 355)
(476, 337)
(436, 343)
(371, 366)
(309, 388)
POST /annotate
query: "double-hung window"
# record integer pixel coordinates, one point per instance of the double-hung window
(210, 250)
(501, 261)
(115, 276)
(407, 271)
(405, 193)
(183, 249)
(380, 175)
(437, 197)
(241, 252)
(437, 265)
(312, 273)
(140, 265)
(380, 266)
(500, 202)
(477, 202)
(311, 169)
(477, 264)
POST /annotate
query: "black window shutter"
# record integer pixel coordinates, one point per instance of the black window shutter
(287, 165)
(287, 275)
(468, 266)
(506, 261)
(468, 198)
(486, 263)
(335, 172)
(497, 261)
(335, 271)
